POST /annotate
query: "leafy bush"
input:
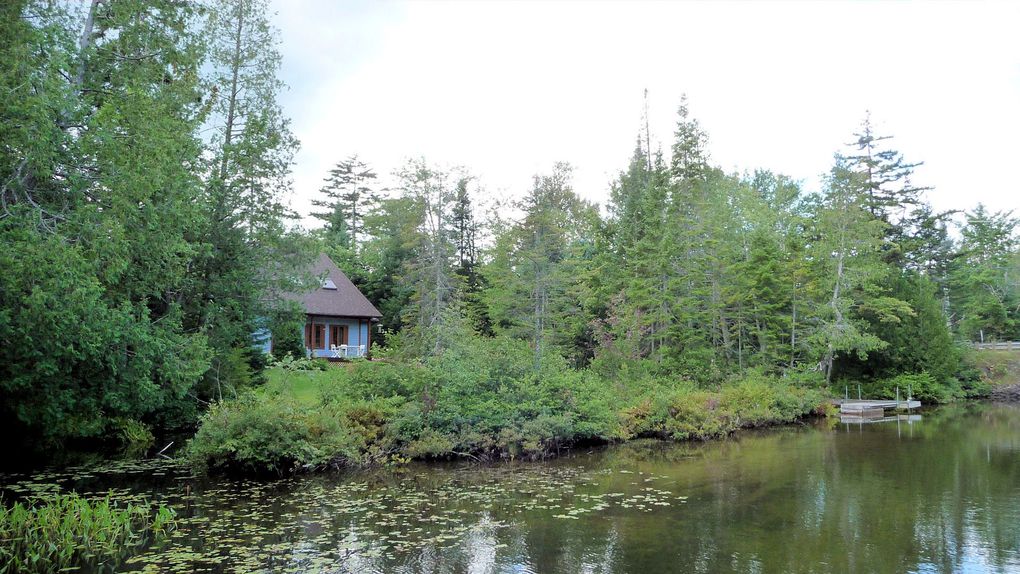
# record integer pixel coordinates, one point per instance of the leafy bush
(133, 436)
(485, 400)
(273, 433)
(288, 362)
(922, 386)
(682, 412)
(255, 434)
(67, 531)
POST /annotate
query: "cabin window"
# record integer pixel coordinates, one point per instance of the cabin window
(318, 336)
(337, 335)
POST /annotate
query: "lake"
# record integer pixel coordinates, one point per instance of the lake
(941, 494)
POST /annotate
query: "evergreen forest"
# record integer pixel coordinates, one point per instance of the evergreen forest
(145, 236)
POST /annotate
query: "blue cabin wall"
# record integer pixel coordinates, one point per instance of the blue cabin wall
(357, 333)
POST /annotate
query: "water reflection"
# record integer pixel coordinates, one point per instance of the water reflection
(935, 495)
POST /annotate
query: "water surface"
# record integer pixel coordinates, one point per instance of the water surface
(937, 495)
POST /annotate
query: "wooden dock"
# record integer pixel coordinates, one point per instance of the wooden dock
(873, 408)
(857, 419)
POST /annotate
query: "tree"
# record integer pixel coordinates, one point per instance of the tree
(536, 268)
(392, 226)
(100, 223)
(241, 265)
(633, 272)
(349, 198)
(884, 175)
(466, 232)
(984, 278)
(848, 241)
(432, 317)
(890, 196)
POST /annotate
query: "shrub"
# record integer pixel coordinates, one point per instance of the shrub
(680, 412)
(288, 362)
(272, 433)
(67, 531)
(484, 400)
(134, 437)
(922, 386)
(257, 434)
(697, 415)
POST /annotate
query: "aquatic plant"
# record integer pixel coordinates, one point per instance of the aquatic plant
(65, 530)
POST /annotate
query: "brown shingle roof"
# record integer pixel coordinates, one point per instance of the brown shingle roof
(344, 301)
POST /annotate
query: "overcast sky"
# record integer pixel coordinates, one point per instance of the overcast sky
(506, 89)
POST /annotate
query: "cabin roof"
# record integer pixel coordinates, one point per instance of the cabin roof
(336, 295)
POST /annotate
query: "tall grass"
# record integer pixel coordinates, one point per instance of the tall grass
(63, 531)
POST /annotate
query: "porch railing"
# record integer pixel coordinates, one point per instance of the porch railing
(346, 351)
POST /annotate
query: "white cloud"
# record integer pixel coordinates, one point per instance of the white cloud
(508, 88)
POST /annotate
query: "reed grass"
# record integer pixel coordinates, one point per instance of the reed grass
(66, 530)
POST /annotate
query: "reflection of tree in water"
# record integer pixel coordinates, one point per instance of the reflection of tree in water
(939, 495)
(847, 500)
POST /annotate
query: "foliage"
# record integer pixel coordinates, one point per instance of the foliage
(254, 433)
(67, 531)
(535, 280)
(483, 400)
(921, 386)
(984, 278)
(349, 197)
(138, 247)
(302, 363)
(681, 412)
(145, 166)
(135, 247)
(134, 437)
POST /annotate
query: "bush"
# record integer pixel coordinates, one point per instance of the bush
(682, 412)
(272, 433)
(257, 434)
(922, 386)
(485, 400)
(67, 531)
(288, 362)
(134, 437)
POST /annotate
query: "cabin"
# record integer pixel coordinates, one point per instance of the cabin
(338, 317)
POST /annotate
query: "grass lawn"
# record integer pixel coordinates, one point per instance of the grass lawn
(999, 367)
(304, 386)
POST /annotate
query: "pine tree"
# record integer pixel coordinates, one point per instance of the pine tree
(466, 232)
(536, 268)
(349, 197)
(249, 175)
(432, 317)
(984, 278)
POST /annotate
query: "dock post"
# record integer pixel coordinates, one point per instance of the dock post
(859, 391)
